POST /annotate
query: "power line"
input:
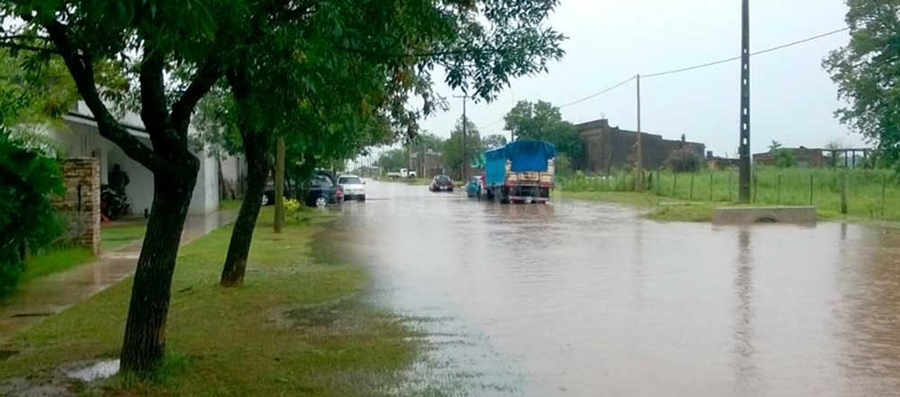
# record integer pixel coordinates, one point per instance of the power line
(768, 50)
(598, 93)
(696, 67)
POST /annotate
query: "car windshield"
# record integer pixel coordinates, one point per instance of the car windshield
(349, 180)
(442, 178)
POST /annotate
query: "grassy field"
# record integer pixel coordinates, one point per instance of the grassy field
(54, 260)
(297, 327)
(871, 194)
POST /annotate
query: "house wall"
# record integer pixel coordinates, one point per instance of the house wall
(205, 199)
(79, 138)
(608, 148)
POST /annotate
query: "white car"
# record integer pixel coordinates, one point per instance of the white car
(354, 187)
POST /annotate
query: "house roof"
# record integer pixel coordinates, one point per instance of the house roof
(83, 119)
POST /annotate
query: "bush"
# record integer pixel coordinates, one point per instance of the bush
(28, 220)
(684, 160)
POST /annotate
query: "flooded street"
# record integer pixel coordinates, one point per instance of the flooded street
(585, 299)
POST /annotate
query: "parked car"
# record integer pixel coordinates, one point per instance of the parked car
(441, 183)
(321, 190)
(475, 187)
(354, 187)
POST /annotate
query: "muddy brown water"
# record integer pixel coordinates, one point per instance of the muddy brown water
(585, 299)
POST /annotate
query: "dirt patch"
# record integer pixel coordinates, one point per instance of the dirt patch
(40, 387)
(318, 315)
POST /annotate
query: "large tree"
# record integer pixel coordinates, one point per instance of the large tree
(147, 41)
(867, 72)
(341, 77)
(458, 154)
(543, 121)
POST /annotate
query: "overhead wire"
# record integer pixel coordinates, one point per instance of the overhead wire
(696, 67)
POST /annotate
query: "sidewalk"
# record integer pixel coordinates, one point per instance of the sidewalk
(51, 295)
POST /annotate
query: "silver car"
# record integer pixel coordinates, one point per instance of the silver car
(354, 187)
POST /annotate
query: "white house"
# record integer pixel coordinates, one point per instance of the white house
(79, 137)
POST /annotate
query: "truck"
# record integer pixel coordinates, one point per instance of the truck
(403, 173)
(520, 172)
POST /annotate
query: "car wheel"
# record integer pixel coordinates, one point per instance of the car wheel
(321, 201)
(265, 200)
(362, 198)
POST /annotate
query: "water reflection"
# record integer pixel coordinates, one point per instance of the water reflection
(586, 299)
(745, 369)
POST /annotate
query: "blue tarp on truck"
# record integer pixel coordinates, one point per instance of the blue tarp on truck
(524, 156)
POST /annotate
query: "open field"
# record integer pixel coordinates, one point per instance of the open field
(871, 194)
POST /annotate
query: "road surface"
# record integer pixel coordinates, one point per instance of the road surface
(584, 299)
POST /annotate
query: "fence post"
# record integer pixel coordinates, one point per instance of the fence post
(710, 187)
(810, 189)
(658, 183)
(675, 184)
(691, 196)
(883, 192)
(844, 193)
(730, 174)
(755, 186)
(778, 191)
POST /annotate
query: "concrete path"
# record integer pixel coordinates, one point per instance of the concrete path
(52, 294)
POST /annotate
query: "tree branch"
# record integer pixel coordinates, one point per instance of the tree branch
(82, 71)
(154, 109)
(202, 81)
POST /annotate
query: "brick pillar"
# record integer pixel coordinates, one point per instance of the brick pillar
(80, 206)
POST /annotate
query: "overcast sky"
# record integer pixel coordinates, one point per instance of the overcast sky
(793, 99)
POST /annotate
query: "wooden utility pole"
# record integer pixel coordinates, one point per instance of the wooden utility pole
(745, 159)
(639, 149)
(279, 185)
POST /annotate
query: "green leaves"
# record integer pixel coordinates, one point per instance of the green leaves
(867, 72)
(543, 121)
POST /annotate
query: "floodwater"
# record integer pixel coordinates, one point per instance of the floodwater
(585, 299)
(52, 294)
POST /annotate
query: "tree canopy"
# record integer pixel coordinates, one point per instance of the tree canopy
(453, 153)
(867, 74)
(543, 121)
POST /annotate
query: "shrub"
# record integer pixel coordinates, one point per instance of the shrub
(28, 221)
(684, 160)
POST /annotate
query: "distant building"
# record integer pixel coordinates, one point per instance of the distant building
(803, 157)
(427, 164)
(607, 148)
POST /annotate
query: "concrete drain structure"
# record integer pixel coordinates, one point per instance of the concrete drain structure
(748, 215)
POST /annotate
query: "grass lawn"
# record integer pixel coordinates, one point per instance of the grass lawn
(54, 260)
(230, 205)
(297, 326)
(113, 237)
(871, 194)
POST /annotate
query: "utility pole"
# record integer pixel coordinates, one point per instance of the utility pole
(640, 148)
(465, 155)
(745, 166)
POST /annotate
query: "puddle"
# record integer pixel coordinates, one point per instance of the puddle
(90, 372)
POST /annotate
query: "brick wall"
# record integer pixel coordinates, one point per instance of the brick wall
(80, 206)
(610, 148)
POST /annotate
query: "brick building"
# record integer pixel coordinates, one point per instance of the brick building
(607, 148)
(803, 157)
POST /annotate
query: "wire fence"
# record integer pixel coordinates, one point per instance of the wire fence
(872, 194)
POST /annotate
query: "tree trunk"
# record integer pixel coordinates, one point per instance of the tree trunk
(279, 185)
(242, 234)
(145, 330)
